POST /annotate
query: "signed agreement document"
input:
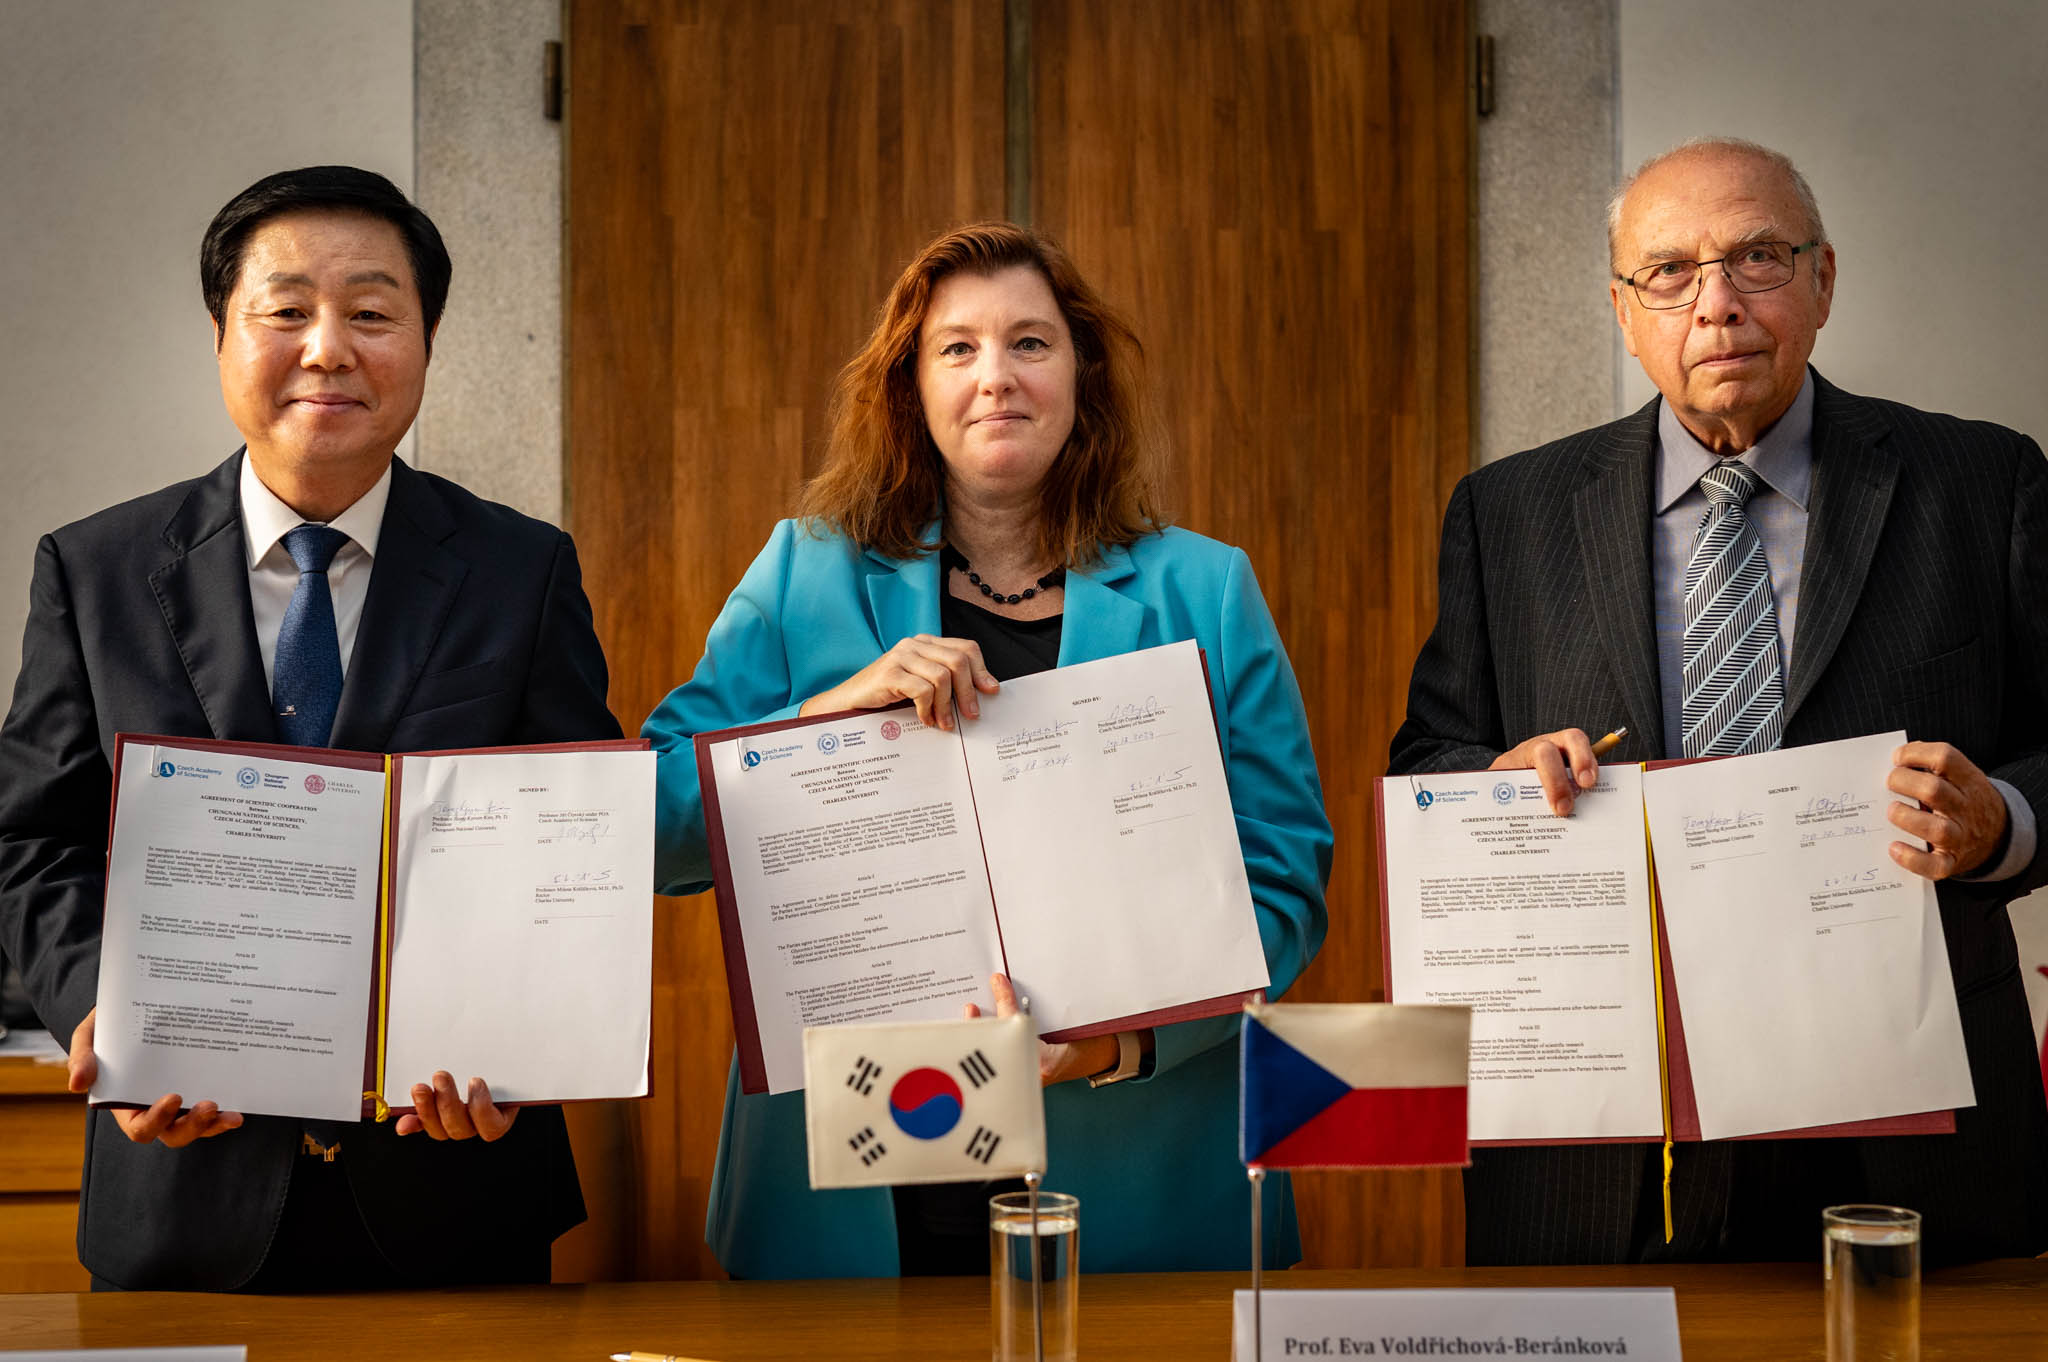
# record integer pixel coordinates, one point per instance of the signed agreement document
(293, 932)
(1541, 925)
(530, 874)
(1794, 936)
(1078, 835)
(236, 961)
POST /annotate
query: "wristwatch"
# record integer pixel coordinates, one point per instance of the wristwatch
(1128, 1058)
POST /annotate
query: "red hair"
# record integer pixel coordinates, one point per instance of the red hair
(884, 481)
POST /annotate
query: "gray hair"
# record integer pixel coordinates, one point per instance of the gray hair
(1777, 160)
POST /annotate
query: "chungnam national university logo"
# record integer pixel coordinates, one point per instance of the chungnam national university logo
(315, 784)
(166, 769)
(246, 777)
(1504, 793)
(828, 743)
(925, 1103)
(1423, 799)
(749, 760)
(891, 729)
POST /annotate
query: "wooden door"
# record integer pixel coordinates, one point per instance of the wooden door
(1276, 192)
(744, 182)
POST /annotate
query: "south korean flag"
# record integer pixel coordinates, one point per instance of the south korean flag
(942, 1101)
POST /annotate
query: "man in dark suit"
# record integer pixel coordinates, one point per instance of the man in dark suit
(312, 589)
(1758, 558)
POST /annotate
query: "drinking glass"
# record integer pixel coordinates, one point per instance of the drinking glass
(1010, 1243)
(1871, 1258)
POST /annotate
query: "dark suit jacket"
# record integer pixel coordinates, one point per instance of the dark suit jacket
(475, 632)
(1923, 607)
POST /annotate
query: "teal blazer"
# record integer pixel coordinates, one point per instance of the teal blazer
(1154, 1159)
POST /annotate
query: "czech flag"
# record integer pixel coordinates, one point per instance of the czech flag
(1353, 1085)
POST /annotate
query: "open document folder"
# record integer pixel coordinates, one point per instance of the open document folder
(1758, 890)
(1077, 836)
(303, 932)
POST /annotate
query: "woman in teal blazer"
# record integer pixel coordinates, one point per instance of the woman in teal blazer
(1021, 412)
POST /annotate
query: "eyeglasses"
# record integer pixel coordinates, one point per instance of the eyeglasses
(1758, 267)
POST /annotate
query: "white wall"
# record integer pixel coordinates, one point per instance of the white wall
(124, 126)
(490, 175)
(1545, 162)
(1918, 126)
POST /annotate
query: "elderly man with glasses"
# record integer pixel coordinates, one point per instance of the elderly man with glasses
(1758, 559)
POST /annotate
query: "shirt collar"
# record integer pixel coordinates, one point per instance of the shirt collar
(266, 519)
(1783, 458)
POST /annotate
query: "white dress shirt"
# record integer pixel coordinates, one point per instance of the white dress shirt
(273, 576)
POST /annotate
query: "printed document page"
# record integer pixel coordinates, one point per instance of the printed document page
(1795, 936)
(856, 869)
(241, 911)
(1111, 843)
(522, 941)
(1542, 926)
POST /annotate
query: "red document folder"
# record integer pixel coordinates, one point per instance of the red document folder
(1683, 1105)
(391, 771)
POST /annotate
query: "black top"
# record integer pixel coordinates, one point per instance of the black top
(1011, 647)
(942, 1228)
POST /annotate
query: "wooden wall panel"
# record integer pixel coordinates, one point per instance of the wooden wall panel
(744, 182)
(1278, 194)
(1276, 191)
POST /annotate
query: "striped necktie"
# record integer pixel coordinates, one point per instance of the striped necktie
(1734, 689)
(306, 670)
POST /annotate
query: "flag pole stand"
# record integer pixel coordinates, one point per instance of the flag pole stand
(1257, 1177)
(1031, 1181)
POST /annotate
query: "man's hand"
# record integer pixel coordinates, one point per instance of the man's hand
(1962, 817)
(437, 1110)
(1056, 1063)
(1563, 761)
(160, 1121)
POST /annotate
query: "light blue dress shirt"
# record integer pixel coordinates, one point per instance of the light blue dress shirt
(1783, 461)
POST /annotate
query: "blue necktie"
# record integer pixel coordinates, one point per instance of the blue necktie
(1734, 692)
(306, 672)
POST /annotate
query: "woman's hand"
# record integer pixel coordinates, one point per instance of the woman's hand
(1056, 1063)
(939, 675)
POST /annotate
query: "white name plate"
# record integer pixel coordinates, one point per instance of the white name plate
(1632, 1322)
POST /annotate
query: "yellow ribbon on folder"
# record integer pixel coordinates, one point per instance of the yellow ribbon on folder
(1663, 1043)
(383, 1110)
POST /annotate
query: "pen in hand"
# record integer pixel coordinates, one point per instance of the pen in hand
(1610, 742)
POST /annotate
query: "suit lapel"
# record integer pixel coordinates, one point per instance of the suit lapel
(1100, 621)
(1612, 516)
(203, 592)
(412, 585)
(904, 594)
(1854, 472)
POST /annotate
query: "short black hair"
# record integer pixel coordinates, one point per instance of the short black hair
(342, 188)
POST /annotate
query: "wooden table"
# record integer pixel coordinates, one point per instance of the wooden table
(42, 1140)
(1743, 1311)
